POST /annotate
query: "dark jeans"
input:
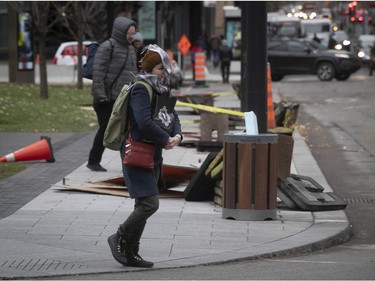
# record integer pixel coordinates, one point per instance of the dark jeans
(225, 68)
(144, 208)
(134, 225)
(103, 112)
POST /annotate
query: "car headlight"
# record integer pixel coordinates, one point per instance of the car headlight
(338, 47)
(343, 56)
(361, 54)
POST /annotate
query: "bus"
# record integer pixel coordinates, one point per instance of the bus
(283, 26)
(321, 27)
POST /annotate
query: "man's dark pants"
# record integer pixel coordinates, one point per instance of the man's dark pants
(103, 112)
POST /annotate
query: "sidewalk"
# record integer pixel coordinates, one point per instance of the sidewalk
(65, 233)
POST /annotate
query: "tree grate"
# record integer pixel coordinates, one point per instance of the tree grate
(360, 200)
(40, 265)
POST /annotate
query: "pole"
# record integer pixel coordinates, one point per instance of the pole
(254, 61)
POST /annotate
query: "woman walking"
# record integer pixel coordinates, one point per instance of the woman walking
(142, 183)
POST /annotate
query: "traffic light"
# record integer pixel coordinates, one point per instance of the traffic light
(352, 11)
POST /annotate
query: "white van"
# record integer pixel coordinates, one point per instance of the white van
(67, 52)
(321, 27)
(283, 26)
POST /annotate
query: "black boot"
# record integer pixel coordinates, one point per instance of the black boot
(117, 245)
(132, 249)
(134, 259)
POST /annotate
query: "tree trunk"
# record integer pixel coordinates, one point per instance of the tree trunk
(43, 67)
(40, 11)
(79, 66)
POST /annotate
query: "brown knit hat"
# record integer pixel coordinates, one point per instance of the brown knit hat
(149, 60)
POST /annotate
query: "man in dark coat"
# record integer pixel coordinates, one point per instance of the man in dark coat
(225, 55)
(115, 63)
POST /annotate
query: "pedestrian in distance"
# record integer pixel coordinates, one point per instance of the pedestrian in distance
(215, 43)
(142, 183)
(225, 55)
(372, 59)
(138, 45)
(115, 65)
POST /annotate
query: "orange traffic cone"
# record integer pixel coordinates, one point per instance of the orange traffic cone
(41, 150)
(200, 70)
(271, 123)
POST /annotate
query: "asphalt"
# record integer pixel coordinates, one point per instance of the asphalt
(46, 230)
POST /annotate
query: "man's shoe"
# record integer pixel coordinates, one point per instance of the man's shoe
(116, 245)
(96, 168)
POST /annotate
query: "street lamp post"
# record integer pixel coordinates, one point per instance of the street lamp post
(254, 61)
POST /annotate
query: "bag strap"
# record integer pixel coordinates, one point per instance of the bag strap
(122, 68)
(149, 90)
(110, 57)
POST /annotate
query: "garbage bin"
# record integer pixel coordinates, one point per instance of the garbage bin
(250, 177)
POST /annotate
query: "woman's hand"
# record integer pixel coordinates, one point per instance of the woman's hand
(172, 142)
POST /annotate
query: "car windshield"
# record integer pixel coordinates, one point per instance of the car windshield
(315, 45)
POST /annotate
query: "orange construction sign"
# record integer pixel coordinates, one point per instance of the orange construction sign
(184, 44)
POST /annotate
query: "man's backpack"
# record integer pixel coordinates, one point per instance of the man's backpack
(116, 132)
(90, 54)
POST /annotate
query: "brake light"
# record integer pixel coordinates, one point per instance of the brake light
(54, 60)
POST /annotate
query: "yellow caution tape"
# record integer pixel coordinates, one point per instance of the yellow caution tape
(182, 121)
(215, 94)
(211, 109)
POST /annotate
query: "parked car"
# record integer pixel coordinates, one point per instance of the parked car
(293, 56)
(67, 52)
(363, 47)
(342, 40)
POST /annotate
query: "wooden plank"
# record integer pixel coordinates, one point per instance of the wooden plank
(285, 154)
(261, 178)
(116, 191)
(229, 176)
(245, 177)
(272, 176)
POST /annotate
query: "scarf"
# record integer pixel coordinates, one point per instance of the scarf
(159, 85)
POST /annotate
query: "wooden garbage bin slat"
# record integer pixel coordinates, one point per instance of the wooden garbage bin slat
(261, 177)
(245, 158)
(229, 175)
(272, 176)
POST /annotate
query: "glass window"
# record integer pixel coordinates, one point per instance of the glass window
(277, 46)
(296, 47)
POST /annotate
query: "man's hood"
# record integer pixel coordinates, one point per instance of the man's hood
(120, 28)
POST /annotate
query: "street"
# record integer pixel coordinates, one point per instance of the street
(337, 119)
